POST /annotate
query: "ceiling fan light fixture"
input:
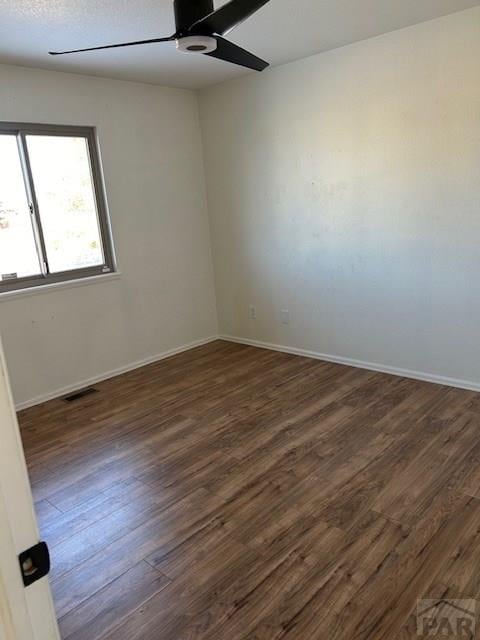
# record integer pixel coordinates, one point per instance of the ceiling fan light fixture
(197, 44)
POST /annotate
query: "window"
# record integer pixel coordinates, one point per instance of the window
(53, 220)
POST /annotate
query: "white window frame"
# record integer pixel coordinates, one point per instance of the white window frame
(21, 131)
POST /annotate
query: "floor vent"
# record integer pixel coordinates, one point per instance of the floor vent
(79, 394)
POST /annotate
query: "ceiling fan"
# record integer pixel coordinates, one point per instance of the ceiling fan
(199, 29)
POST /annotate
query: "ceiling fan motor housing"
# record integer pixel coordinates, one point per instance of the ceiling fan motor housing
(196, 44)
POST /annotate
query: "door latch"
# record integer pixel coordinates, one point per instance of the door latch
(34, 563)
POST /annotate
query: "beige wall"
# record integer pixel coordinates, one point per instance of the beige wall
(152, 159)
(346, 189)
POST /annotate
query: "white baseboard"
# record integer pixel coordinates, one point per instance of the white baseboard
(372, 366)
(57, 393)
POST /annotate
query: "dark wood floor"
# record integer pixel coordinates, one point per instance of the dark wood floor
(235, 493)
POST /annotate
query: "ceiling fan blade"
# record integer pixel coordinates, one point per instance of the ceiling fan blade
(228, 16)
(113, 46)
(233, 53)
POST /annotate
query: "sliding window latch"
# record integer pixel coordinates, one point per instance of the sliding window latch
(34, 563)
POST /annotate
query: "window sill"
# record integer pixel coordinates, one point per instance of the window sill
(56, 286)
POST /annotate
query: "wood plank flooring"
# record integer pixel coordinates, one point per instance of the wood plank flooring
(233, 493)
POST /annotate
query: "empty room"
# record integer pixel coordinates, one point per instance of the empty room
(239, 319)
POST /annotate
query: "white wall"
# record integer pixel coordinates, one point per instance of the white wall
(346, 188)
(152, 158)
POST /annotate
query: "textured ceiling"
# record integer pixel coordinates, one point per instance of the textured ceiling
(282, 31)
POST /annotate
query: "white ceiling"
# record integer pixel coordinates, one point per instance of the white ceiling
(282, 31)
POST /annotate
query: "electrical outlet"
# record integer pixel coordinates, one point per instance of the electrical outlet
(252, 312)
(284, 316)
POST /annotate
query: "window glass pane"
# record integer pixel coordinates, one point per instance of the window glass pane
(18, 252)
(66, 200)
